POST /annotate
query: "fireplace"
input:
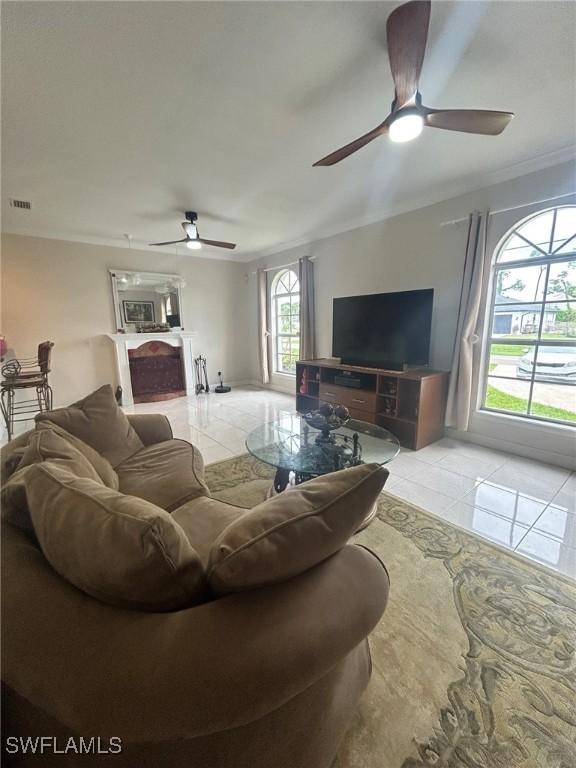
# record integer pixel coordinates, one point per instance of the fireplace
(154, 366)
(156, 372)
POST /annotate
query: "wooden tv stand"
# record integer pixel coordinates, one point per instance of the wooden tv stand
(411, 404)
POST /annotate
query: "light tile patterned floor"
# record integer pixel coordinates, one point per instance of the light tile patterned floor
(518, 503)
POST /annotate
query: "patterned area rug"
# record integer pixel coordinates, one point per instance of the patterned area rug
(474, 659)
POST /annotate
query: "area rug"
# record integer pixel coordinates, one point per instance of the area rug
(474, 659)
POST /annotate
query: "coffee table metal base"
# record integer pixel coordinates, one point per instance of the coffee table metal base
(282, 479)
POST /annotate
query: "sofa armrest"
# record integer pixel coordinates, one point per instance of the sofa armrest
(151, 677)
(151, 427)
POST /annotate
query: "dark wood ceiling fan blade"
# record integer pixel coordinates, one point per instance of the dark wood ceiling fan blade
(407, 33)
(354, 146)
(170, 242)
(217, 243)
(482, 121)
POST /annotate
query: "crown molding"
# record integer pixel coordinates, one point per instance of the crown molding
(120, 243)
(443, 193)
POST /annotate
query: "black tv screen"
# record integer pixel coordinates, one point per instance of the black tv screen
(383, 330)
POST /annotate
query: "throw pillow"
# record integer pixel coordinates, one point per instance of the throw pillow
(102, 466)
(44, 445)
(119, 549)
(290, 533)
(47, 444)
(99, 422)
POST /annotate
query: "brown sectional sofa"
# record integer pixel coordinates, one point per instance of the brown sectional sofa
(265, 678)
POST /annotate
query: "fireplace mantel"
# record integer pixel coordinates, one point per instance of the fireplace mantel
(125, 341)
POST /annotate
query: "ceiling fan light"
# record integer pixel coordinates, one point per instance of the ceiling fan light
(405, 128)
(194, 245)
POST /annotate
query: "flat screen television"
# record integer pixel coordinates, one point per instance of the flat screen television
(383, 330)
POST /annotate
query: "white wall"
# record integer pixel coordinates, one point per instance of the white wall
(60, 290)
(414, 250)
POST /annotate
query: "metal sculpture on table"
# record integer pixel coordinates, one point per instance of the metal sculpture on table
(329, 451)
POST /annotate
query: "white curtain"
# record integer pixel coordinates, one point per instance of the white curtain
(466, 347)
(307, 312)
(263, 332)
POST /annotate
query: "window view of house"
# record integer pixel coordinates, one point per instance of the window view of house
(286, 321)
(531, 354)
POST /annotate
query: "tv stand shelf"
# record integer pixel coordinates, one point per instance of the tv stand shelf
(411, 403)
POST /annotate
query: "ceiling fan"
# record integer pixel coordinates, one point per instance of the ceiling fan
(406, 33)
(193, 239)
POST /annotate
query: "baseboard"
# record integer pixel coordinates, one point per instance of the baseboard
(518, 449)
(288, 390)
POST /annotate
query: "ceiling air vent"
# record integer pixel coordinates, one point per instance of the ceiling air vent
(25, 205)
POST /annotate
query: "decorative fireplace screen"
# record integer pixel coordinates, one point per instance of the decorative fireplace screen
(156, 370)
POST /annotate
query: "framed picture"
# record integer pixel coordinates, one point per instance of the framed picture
(138, 311)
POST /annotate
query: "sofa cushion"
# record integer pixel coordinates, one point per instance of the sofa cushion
(99, 422)
(46, 444)
(292, 532)
(203, 520)
(11, 455)
(102, 466)
(14, 502)
(167, 474)
(119, 549)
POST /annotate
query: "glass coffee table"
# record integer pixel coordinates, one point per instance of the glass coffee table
(299, 452)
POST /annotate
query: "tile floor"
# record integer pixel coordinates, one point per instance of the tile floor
(518, 503)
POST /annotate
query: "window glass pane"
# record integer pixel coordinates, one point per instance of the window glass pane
(286, 321)
(568, 246)
(565, 228)
(555, 364)
(554, 401)
(532, 352)
(559, 321)
(511, 360)
(516, 249)
(562, 282)
(516, 321)
(520, 284)
(538, 229)
(506, 395)
(284, 306)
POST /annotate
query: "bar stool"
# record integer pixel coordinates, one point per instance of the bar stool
(26, 373)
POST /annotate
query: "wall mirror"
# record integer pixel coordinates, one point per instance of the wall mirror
(147, 301)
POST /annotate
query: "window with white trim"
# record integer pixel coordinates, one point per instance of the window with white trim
(285, 306)
(530, 356)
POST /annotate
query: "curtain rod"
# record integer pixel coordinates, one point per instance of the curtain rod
(283, 266)
(512, 208)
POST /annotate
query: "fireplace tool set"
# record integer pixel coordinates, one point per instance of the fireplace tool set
(201, 375)
(201, 378)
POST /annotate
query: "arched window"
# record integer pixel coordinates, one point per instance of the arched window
(285, 300)
(531, 340)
